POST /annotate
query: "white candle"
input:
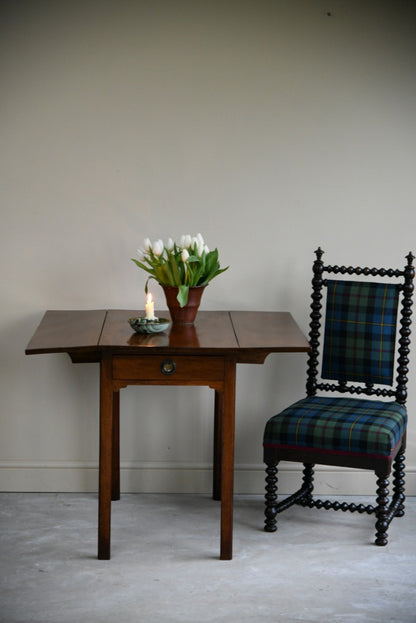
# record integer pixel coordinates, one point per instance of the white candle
(150, 308)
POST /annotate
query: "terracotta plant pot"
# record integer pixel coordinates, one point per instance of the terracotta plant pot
(186, 314)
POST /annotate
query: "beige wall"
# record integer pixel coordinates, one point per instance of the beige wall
(268, 126)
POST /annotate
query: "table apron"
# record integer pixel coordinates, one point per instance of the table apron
(168, 370)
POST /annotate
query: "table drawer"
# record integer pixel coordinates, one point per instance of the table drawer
(162, 368)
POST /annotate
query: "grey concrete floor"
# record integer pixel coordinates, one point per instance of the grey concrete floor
(320, 565)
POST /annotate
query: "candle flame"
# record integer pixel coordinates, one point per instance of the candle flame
(149, 298)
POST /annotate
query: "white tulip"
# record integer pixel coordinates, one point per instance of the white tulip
(206, 249)
(147, 244)
(200, 240)
(169, 244)
(186, 240)
(158, 247)
(184, 255)
(200, 248)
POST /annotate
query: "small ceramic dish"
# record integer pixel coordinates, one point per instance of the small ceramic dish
(142, 325)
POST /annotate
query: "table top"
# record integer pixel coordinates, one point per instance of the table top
(248, 336)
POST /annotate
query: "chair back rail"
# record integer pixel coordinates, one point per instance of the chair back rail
(398, 391)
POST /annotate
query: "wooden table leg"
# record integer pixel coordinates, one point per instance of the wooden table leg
(218, 413)
(115, 477)
(227, 462)
(105, 465)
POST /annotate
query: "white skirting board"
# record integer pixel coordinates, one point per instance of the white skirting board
(158, 477)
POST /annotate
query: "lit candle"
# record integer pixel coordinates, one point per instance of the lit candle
(150, 308)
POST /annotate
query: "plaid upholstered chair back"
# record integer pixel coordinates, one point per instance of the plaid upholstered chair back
(360, 332)
(360, 329)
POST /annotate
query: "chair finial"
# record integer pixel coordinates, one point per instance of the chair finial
(319, 253)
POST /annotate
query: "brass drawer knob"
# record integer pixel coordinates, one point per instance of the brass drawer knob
(168, 366)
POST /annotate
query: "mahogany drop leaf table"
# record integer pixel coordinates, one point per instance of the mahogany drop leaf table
(205, 353)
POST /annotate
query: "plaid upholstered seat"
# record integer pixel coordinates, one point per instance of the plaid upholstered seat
(359, 353)
(338, 426)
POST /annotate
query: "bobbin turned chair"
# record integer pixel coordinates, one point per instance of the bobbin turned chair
(359, 357)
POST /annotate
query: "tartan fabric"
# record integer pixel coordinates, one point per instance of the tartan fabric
(338, 426)
(360, 331)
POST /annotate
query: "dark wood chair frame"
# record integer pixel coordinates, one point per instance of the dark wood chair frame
(385, 508)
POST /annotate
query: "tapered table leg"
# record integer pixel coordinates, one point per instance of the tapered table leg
(105, 461)
(227, 463)
(218, 413)
(115, 477)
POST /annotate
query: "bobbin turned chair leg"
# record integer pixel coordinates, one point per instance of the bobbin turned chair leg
(398, 483)
(270, 512)
(382, 502)
(308, 475)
